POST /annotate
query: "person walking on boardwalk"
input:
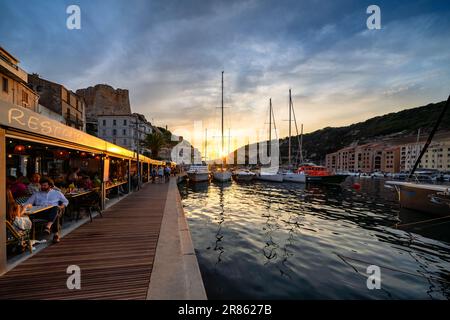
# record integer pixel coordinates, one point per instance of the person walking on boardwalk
(160, 174)
(154, 173)
(167, 173)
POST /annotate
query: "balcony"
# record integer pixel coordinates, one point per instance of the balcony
(12, 70)
(70, 119)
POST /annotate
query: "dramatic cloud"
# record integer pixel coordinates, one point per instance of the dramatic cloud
(170, 55)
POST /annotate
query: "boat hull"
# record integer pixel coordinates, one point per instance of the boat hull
(222, 176)
(198, 177)
(271, 177)
(418, 197)
(243, 177)
(333, 179)
(294, 177)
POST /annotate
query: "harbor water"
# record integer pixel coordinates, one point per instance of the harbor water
(265, 240)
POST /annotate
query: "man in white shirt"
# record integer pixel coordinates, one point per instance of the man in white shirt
(49, 197)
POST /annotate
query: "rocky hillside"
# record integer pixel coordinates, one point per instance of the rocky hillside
(395, 127)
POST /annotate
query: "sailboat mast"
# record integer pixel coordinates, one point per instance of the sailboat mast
(222, 113)
(270, 120)
(290, 104)
(206, 144)
(229, 140)
(301, 144)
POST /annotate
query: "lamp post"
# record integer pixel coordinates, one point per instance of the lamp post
(137, 142)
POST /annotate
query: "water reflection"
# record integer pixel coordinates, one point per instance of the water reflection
(290, 241)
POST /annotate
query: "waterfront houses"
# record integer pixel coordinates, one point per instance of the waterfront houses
(14, 83)
(390, 158)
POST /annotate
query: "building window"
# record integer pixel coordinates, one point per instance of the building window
(104, 132)
(124, 132)
(5, 85)
(124, 122)
(114, 122)
(24, 97)
(104, 122)
(125, 141)
(114, 132)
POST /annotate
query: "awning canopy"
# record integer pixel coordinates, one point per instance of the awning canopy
(33, 126)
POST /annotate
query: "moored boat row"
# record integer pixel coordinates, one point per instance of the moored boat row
(305, 173)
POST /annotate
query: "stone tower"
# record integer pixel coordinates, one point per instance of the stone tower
(103, 99)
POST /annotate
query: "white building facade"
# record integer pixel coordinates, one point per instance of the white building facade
(437, 156)
(124, 130)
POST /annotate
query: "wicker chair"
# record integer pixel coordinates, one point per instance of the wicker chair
(18, 239)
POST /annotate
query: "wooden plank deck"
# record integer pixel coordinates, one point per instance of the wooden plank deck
(115, 254)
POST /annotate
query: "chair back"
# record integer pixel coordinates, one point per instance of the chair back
(10, 228)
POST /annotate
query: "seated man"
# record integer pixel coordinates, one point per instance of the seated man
(48, 197)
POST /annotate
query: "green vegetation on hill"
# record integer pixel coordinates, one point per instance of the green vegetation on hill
(403, 123)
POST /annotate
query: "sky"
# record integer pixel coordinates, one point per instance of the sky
(170, 55)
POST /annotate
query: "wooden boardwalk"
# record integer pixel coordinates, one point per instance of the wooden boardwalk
(115, 254)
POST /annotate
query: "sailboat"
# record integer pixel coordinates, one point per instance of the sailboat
(222, 174)
(291, 176)
(266, 174)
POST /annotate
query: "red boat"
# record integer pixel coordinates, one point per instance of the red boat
(315, 173)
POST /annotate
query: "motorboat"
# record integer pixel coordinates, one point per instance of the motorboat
(222, 174)
(320, 174)
(244, 175)
(198, 173)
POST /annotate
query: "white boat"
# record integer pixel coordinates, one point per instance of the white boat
(198, 173)
(422, 197)
(222, 175)
(377, 175)
(270, 173)
(270, 176)
(244, 175)
(294, 177)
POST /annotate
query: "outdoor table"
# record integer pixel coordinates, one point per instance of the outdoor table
(74, 195)
(37, 209)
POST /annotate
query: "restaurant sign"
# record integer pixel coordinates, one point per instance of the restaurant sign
(21, 118)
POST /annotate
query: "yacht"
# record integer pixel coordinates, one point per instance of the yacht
(244, 175)
(315, 173)
(198, 173)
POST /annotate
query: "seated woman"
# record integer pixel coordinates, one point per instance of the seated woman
(15, 215)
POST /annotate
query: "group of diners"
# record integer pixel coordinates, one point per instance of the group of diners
(24, 193)
(47, 197)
